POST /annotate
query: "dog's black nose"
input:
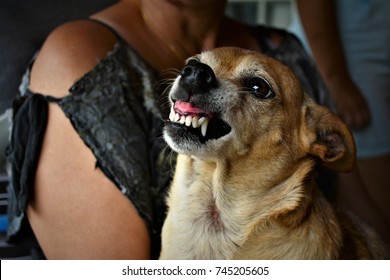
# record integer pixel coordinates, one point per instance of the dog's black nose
(196, 78)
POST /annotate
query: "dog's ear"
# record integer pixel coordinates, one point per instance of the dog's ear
(328, 138)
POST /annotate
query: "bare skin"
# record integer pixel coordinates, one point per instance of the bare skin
(76, 212)
(72, 213)
(320, 24)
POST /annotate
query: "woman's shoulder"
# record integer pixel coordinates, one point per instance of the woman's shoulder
(70, 51)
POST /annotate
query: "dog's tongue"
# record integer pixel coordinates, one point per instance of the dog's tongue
(187, 108)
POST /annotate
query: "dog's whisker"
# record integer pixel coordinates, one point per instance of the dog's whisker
(164, 82)
(163, 99)
(164, 102)
(170, 72)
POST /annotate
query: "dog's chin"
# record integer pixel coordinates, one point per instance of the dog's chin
(190, 140)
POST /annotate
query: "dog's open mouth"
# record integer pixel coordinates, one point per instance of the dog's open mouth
(190, 119)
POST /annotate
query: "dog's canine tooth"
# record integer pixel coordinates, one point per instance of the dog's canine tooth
(188, 121)
(201, 120)
(195, 123)
(204, 127)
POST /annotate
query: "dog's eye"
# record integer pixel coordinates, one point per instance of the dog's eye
(259, 87)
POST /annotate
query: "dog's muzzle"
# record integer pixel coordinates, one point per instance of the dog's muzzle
(196, 78)
(194, 115)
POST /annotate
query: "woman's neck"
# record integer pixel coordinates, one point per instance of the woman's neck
(167, 32)
(188, 26)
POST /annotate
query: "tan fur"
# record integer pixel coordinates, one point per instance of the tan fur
(251, 194)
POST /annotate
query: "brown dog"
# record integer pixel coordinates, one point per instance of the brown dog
(248, 138)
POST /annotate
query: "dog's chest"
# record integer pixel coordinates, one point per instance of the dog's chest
(202, 228)
(209, 237)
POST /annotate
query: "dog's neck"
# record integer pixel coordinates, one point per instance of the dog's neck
(256, 181)
(223, 214)
(263, 181)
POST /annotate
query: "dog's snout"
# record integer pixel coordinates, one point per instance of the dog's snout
(197, 72)
(197, 78)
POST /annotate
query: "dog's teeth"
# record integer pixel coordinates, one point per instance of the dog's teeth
(182, 120)
(201, 120)
(172, 115)
(177, 117)
(204, 127)
(195, 122)
(188, 120)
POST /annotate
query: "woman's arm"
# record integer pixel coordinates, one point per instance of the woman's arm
(76, 211)
(320, 24)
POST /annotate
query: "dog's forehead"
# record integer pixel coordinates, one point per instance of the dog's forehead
(238, 62)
